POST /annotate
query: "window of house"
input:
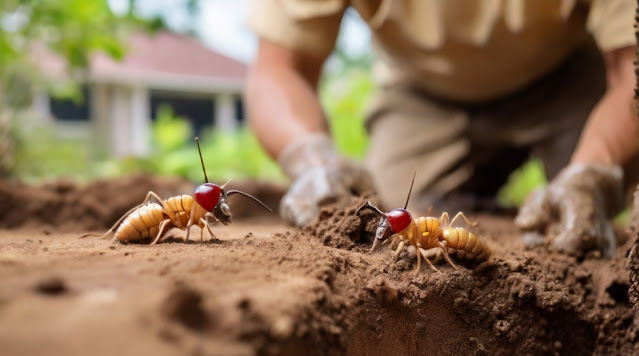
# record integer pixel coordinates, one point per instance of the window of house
(64, 109)
(199, 110)
(239, 110)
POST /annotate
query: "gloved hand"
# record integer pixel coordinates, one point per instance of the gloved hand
(583, 197)
(318, 173)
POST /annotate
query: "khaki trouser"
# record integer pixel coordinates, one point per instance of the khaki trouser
(468, 150)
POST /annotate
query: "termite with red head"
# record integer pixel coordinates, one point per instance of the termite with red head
(427, 234)
(151, 221)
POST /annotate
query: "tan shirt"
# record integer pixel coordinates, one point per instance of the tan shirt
(469, 50)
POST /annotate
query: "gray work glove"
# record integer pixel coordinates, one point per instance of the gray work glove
(583, 197)
(319, 173)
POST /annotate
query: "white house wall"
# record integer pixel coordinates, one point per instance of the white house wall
(128, 121)
(225, 112)
(100, 113)
(120, 130)
(140, 139)
(40, 107)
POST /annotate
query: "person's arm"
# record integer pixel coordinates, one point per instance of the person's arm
(287, 118)
(611, 135)
(589, 191)
(282, 97)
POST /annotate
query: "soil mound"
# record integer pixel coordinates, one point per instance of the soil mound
(519, 301)
(343, 224)
(67, 206)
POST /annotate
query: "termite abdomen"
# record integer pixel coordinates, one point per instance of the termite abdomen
(464, 244)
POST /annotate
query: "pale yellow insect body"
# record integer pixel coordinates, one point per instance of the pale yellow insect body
(431, 236)
(150, 221)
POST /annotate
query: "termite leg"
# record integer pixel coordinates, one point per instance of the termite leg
(163, 226)
(446, 256)
(152, 194)
(204, 223)
(430, 210)
(211, 232)
(438, 255)
(432, 252)
(188, 232)
(399, 250)
(419, 260)
(423, 253)
(394, 242)
(444, 220)
(463, 216)
(189, 223)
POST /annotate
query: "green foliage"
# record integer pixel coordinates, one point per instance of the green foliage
(41, 155)
(345, 98)
(44, 156)
(71, 29)
(521, 182)
(74, 28)
(226, 155)
(169, 132)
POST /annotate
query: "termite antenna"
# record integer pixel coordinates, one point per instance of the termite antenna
(369, 206)
(230, 192)
(410, 189)
(199, 150)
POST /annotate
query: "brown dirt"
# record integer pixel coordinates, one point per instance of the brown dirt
(633, 261)
(265, 288)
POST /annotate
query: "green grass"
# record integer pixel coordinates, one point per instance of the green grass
(521, 182)
(41, 155)
(345, 98)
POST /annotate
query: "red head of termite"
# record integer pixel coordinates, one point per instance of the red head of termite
(214, 199)
(398, 219)
(208, 195)
(392, 222)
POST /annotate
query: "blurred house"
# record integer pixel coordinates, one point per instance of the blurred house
(122, 98)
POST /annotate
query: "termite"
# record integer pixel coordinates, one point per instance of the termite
(149, 220)
(429, 234)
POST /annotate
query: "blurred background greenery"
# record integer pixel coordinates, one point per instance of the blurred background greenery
(76, 28)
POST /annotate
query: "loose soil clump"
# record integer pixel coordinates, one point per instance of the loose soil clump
(633, 263)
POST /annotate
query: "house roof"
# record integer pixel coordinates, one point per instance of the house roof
(164, 60)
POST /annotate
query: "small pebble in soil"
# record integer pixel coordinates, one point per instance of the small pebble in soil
(51, 286)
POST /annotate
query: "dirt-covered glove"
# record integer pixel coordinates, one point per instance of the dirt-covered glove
(583, 197)
(319, 174)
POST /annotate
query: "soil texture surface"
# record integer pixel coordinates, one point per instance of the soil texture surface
(264, 288)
